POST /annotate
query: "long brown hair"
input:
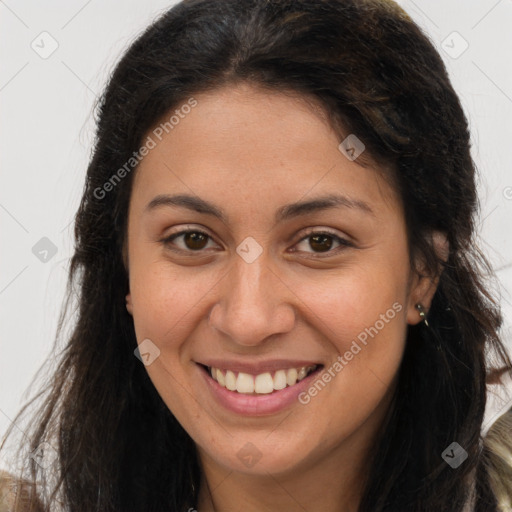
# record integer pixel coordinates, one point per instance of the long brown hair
(377, 75)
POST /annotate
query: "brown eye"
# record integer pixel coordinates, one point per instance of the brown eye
(190, 241)
(321, 243)
(195, 240)
(317, 242)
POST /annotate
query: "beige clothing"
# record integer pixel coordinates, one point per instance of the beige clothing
(16, 495)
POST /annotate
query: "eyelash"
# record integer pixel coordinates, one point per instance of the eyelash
(343, 242)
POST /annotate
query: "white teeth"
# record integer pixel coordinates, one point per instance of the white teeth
(244, 383)
(280, 380)
(263, 383)
(291, 376)
(230, 380)
(220, 378)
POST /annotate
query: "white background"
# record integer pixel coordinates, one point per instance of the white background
(47, 131)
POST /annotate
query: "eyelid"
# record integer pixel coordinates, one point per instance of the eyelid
(321, 231)
(187, 228)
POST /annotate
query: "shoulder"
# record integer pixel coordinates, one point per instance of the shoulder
(17, 495)
(498, 449)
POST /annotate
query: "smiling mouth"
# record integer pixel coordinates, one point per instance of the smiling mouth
(262, 384)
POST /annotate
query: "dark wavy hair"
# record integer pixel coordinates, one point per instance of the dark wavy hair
(377, 75)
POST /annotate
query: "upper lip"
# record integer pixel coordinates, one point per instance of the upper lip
(255, 368)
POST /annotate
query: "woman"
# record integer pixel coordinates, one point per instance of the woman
(281, 305)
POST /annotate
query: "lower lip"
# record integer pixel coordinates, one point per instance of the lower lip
(254, 405)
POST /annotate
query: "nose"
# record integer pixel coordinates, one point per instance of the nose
(254, 305)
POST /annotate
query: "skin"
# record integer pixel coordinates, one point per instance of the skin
(249, 152)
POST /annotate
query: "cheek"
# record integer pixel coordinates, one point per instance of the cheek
(165, 296)
(361, 313)
(345, 305)
(367, 331)
(167, 308)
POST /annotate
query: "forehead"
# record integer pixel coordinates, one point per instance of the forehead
(262, 146)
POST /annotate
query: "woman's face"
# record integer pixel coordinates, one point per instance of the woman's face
(273, 278)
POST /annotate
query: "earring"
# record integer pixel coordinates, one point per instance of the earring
(419, 307)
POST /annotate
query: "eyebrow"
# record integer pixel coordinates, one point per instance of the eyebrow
(286, 212)
(292, 210)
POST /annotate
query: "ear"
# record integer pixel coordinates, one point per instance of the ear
(423, 286)
(129, 305)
